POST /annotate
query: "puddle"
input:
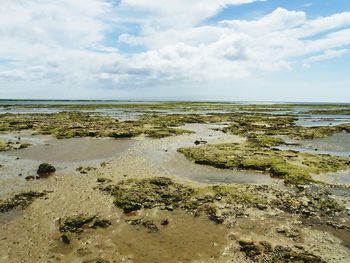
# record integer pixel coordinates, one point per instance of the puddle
(170, 161)
(337, 144)
(323, 120)
(342, 177)
(74, 150)
(66, 155)
(178, 165)
(185, 238)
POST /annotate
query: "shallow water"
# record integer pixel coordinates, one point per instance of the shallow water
(66, 155)
(170, 161)
(323, 120)
(74, 150)
(337, 144)
(185, 238)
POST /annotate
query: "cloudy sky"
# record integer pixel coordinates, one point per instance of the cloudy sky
(265, 50)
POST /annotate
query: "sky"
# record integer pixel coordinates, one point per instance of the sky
(231, 50)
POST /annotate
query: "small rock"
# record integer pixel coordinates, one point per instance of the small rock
(197, 142)
(103, 223)
(46, 168)
(164, 222)
(65, 239)
(103, 180)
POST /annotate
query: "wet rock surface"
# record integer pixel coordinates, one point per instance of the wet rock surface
(45, 169)
(21, 200)
(104, 217)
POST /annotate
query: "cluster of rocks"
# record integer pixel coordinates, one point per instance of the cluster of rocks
(21, 200)
(44, 170)
(13, 145)
(78, 223)
(263, 251)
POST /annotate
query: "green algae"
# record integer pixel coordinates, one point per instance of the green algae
(292, 166)
(10, 145)
(65, 125)
(218, 202)
(21, 200)
(253, 125)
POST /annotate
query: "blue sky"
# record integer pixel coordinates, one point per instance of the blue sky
(272, 50)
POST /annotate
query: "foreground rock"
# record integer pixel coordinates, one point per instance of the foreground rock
(264, 252)
(78, 223)
(21, 201)
(46, 169)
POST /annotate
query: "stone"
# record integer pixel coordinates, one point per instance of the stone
(46, 168)
(164, 222)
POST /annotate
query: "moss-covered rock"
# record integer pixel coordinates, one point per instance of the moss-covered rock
(292, 166)
(21, 200)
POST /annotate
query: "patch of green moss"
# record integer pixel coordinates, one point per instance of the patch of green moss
(294, 167)
(21, 200)
(255, 125)
(66, 125)
(165, 132)
(77, 223)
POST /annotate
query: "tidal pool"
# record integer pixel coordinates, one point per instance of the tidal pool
(74, 150)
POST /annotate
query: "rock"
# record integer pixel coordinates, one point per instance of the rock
(164, 222)
(245, 242)
(169, 208)
(131, 207)
(197, 142)
(96, 260)
(103, 180)
(31, 177)
(103, 223)
(46, 168)
(65, 239)
(147, 223)
(77, 223)
(161, 181)
(21, 200)
(251, 248)
(121, 135)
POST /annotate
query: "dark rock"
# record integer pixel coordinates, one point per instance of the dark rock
(46, 168)
(164, 222)
(103, 223)
(31, 177)
(65, 239)
(161, 181)
(121, 135)
(103, 180)
(131, 207)
(75, 223)
(251, 248)
(96, 260)
(21, 200)
(197, 142)
(147, 223)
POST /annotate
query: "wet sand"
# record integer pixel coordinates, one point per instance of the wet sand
(32, 235)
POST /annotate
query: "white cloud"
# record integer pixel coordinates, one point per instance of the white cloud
(180, 13)
(326, 55)
(62, 43)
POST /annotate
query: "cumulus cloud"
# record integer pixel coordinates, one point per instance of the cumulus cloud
(65, 42)
(235, 48)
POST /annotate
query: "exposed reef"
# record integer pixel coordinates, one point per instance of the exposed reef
(21, 201)
(256, 154)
